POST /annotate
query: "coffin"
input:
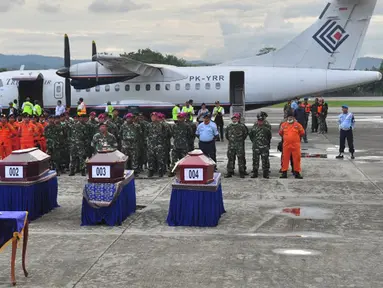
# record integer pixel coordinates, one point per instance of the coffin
(106, 167)
(24, 165)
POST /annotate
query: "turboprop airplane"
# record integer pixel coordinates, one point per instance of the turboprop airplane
(320, 59)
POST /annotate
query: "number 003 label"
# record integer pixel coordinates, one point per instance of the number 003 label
(14, 171)
(100, 171)
(193, 174)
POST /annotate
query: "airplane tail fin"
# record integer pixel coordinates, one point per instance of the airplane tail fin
(332, 42)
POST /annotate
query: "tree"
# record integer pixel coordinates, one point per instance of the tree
(3, 69)
(149, 56)
(266, 50)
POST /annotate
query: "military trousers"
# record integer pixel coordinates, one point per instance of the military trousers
(314, 123)
(232, 153)
(156, 158)
(133, 156)
(77, 158)
(264, 155)
(177, 154)
(322, 124)
(55, 157)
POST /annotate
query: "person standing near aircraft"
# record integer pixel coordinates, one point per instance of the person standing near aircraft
(53, 133)
(27, 107)
(156, 146)
(16, 140)
(7, 132)
(104, 141)
(27, 133)
(109, 109)
(77, 142)
(218, 113)
(299, 115)
(287, 109)
(322, 114)
(325, 105)
(260, 135)
(236, 134)
(143, 155)
(60, 109)
(189, 110)
(37, 110)
(81, 108)
(168, 137)
(307, 107)
(175, 111)
(291, 132)
(314, 116)
(346, 126)
(207, 133)
(202, 113)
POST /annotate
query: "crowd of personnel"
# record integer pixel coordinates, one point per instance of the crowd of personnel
(70, 141)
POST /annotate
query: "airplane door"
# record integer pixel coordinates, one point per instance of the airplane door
(237, 88)
(58, 90)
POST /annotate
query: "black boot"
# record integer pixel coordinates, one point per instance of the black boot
(340, 156)
(83, 172)
(71, 173)
(228, 175)
(298, 175)
(352, 156)
(283, 175)
(254, 175)
(58, 172)
(171, 174)
(242, 175)
(266, 174)
(150, 173)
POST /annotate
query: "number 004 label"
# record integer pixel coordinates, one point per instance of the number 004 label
(14, 171)
(100, 171)
(193, 174)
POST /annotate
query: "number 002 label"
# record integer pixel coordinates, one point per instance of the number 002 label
(14, 171)
(193, 174)
(100, 171)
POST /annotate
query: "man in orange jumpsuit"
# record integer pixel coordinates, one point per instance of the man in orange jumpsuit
(39, 139)
(7, 132)
(15, 140)
(291, 132)
(27, 133)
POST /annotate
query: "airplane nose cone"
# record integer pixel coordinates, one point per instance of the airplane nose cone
(63, 72)
(379, 76)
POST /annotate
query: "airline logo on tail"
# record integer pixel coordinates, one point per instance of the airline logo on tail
(330, 36)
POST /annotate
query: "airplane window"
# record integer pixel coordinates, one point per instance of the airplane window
(217, 85)
(127, 87)
(78, 90)
(138, 87)
(187, 86)
(107, 88)
(178, 86)
(88, 90)
(58, 88)
(207, 86)
(117, 87)
(197, 86)
(158, 87)
(167, 87)
(147, 87)
(97, 88)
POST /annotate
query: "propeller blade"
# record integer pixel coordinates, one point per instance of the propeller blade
(68, 93)
(94, 50)
(66, 51)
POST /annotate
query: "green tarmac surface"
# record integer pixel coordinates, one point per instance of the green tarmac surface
(352, 103)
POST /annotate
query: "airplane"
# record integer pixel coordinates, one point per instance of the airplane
(320, 59)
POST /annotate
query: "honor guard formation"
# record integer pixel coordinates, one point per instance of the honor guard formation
(148, 143)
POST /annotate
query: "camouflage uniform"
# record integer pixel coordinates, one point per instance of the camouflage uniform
(64, 144)
(236, 135)
(181, 133)
(118, 121)
(92, 128)
(143, 154)
(130, 135)
(104, 142)
(77, 142)
(112, 129)
(53, 133)
(193, 126)
(261, 137)
(156, 148)
(168, 145)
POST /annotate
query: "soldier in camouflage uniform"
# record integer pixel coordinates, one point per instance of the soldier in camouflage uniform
(53, 133)
(236, 133)
(168, 137)
(112, 128)
(77, 142)
(92, 128)
(260, 135)
(104, 140)
(64, 142)
(181, 133)
(117, 120)
(130, 135)
(156, 146)
(193, 126)
(143, 155)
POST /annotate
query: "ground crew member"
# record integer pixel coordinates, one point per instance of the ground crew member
(27, 107)
(291, 132)
(218, 113)
(346, 125)
(299, 115)
(39, 139)
(15, 125)
(175, 111)
(307, 107)
(236, 134)
(27, 133)
(181, 133)
(81, 108)
(189, 110)
(207, 133)
(321, 115)
(260, 135)
(7, 132)
(37, 110)
(109, 109)
(314, 117)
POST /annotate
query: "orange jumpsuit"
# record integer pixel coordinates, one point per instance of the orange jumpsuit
(15, 140)
(39, 139)
(27, 133)
(291, 134)
(6, 134)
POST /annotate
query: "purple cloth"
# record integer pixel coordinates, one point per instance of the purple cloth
(10, 222)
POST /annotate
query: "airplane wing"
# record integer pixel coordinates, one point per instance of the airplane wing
(121, 62)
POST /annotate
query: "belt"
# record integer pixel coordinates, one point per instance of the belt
(207, 142)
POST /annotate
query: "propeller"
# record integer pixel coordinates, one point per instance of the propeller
(65, 71)
(94, 50)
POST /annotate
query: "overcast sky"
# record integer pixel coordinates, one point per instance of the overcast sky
(213, 30)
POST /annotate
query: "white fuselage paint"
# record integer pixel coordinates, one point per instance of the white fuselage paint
(263, 85)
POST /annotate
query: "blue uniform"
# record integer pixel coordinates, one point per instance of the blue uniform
(346, 125)
(207, 134)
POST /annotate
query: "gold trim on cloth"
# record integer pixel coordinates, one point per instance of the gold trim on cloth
(16, 235)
